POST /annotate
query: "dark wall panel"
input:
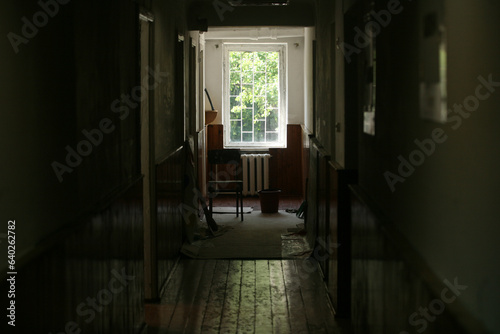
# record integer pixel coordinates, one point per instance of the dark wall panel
(324, 94)
(286, 164)
(37, 121)
(391, 284)
(107, 74)
(170, 59)
(78, 235)
(54, 286)
(170, 188)
(305, 159)
(338, 240)
(311, 219)
(453, 186)
(89, 277)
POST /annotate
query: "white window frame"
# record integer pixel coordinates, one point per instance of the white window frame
(283, 98)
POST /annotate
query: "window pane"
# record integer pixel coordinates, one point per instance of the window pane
(254, 96)
(272, 120)
(247, 96)
(247, 119)
(260, 61)
(248, 77)
(236, 131)
(235, 106)
(260, 83)
(248, 102)
(272, 96)
(234, 100)
(272, 66)
(248, 137)
(247, 61)
(260, 108)
(235, 83)
(271, 136)
(260, 131)
(235, 60)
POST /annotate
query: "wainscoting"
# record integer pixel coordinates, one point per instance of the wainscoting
(328, 224)
(91, 275)
(71, 281)
(372, 274)
(169, 188)
(393, 290)
(285, 165)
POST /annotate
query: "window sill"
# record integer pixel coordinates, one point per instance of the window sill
(249, 149)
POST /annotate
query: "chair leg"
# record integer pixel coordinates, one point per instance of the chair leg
(210, 203)
(237, 206)
(241, 201)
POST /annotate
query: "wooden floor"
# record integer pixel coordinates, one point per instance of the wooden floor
(243, 296)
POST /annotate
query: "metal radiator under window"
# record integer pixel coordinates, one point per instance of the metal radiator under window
(255, 173)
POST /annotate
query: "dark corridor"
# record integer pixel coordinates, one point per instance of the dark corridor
(391, 123)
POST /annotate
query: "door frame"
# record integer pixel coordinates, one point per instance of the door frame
(148, 163)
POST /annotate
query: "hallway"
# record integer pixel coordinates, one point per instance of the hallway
(242, 296)
(383, 115)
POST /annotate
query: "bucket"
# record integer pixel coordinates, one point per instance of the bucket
(269, 200)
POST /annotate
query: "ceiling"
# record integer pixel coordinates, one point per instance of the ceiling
(219, 13)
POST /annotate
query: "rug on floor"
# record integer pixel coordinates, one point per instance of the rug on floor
(227, 209)
(259, 236)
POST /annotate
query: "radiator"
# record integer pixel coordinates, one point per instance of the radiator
(255, 172)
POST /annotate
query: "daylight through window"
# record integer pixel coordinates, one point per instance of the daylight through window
(255, 97)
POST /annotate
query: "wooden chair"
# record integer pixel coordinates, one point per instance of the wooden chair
(225, 180)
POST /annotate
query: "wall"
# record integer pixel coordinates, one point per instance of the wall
(102, 80)
(76, 72)
(285, 167)
(308, 78)
(37, 122)
(171, 100)
(61, 282)
(82, 262)
(295, 76)
(324, 76)
(392, 286)
(61, 86)
(445, 208)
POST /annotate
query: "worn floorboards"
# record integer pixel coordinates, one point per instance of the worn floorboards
(242, 296)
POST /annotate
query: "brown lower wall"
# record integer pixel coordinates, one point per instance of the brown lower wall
(100, 257)
(373, 275)
(285, 167)
(286, 164)
(393, 290)
(169, 188)
(56, 288)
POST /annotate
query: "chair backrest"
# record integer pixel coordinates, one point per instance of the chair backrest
(229, 157)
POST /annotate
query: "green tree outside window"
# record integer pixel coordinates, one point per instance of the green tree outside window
(254, 96)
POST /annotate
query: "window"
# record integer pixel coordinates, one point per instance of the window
(254, 95)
